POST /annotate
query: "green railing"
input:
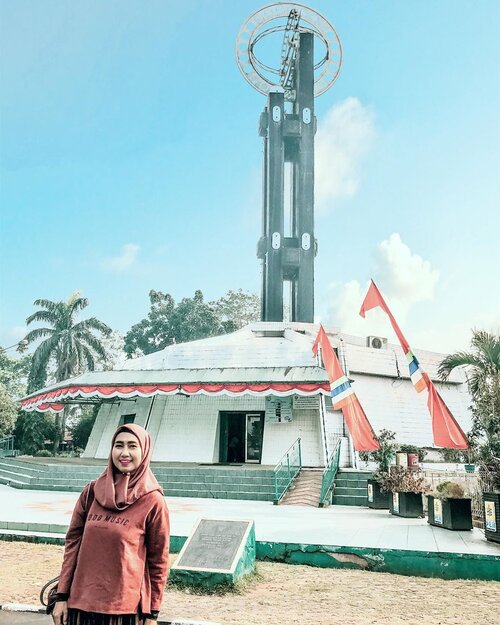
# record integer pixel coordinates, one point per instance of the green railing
(286, 470)
(332, 466)
(7, 446)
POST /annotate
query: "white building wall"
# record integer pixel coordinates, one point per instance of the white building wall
(108, 429)
(97, 431)
(278, 437)
(189, 432)
(395, 405)
(155, 418)
(186, 429)
(108, 420)
(334, 429)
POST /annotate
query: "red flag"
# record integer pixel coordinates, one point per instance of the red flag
(446, 431)
(372, 300)
(344, 398)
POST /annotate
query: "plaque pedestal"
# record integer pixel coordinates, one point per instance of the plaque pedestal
(218, 552)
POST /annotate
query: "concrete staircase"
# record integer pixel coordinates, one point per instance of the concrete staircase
(177, 481)
(350, 487)
(305, 489)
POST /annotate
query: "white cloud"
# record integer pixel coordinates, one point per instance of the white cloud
(345, 135)
(124, 260)
(19, 332)
(404, 279)
(456, 335)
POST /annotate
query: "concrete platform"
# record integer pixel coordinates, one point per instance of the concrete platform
(286, 531)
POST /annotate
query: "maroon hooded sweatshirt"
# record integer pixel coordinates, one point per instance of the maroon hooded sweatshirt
(116, 554)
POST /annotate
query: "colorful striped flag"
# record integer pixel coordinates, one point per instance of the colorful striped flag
(344, 398)
(416, 372)
(445, 429)
(374, 299)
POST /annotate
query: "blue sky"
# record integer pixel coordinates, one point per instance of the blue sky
(130, 160)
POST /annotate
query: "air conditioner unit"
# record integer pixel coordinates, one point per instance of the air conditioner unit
(376, 342)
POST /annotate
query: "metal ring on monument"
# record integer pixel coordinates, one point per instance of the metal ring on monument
(290, 19)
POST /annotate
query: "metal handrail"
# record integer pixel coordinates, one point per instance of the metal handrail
(7, 442)
(7, 445)
(329, 474)
(287, 470)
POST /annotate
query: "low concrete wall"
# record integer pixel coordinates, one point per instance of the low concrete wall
(444, 565)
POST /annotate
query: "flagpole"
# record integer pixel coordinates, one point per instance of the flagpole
(322, 414)
(353, 452)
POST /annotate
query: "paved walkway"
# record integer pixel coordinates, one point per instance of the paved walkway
(23, 618)
(336, 525)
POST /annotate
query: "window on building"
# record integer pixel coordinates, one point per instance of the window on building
(127, 418)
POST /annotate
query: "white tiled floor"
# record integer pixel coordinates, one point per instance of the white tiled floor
(337, 525)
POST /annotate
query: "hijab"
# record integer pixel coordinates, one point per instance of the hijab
(115, 490)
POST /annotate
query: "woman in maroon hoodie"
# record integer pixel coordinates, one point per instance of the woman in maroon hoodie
(115, 560)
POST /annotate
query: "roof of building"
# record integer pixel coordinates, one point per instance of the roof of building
(275, 358)
(280, 344)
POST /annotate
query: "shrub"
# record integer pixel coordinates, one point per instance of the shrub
(490, 472)
(385, 454)
(402, 480)
(449, 490)
(44, 453)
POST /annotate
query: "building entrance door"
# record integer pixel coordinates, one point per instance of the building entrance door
(241, 435)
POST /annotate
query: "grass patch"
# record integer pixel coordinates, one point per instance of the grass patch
(238, 588)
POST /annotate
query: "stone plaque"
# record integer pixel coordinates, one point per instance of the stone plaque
(217, 552)
(213, 545)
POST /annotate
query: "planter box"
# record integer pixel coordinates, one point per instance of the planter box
(408, 505)
(377, 499)
(452, 514)
(491, 512)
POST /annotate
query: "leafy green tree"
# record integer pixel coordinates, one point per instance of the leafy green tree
(8, 412)
(155, 332)
(13, 377)
(482, 365)
(193, 319)
(189, 320)
(238, 308)
(72, 345)
(82, 427)
(14, 373)
(33, 429)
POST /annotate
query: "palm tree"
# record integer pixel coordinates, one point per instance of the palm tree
(71, 344)
(483, 375)
(483, 362)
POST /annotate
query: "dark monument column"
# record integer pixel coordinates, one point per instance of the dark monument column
(303, 182)
(274, 151)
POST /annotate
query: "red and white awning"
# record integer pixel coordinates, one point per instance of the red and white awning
(54, 400)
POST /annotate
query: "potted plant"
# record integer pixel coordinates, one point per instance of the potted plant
(450, 507)
(406, 488)
(491, 499)
(377, 498)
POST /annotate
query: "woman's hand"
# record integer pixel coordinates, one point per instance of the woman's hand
(60, 613)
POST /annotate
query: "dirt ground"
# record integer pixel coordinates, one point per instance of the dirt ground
(287, 594)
